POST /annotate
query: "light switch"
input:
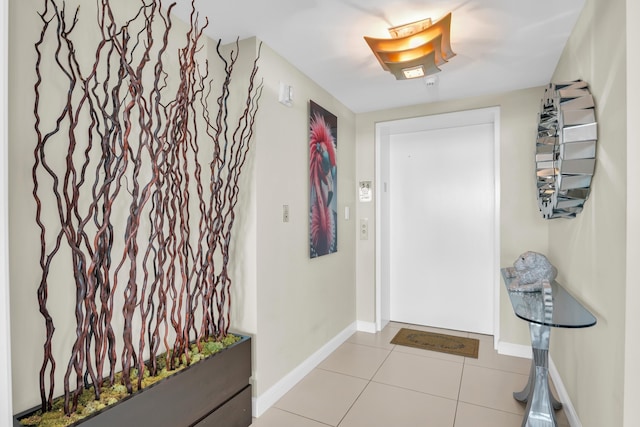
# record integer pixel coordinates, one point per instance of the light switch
(285, 213)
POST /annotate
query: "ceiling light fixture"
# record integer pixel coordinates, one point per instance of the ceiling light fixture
(416, 49)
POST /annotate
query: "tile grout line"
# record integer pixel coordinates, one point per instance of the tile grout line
(302, 416)
(390, 350)
(395, 346)
(369, 381)
(455, 414)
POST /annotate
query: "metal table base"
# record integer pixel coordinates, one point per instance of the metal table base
(554, 307)
(537, 394)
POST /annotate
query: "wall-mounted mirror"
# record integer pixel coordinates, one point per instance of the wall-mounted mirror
(565, 149)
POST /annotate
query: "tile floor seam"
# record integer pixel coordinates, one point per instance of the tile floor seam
(383, 362)
(372, 381)
(430, 356)
(455, 414)
(368, 345)
(491, 408)
(506, 371)
(353, 404)
(412, 390)
(306, 418)
(342, 373)
(365, 387)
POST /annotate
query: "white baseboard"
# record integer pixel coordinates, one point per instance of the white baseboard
(563, 396)
(270, 397)
(369, 327)
(519, 350)
(267, 399)
(515, 350)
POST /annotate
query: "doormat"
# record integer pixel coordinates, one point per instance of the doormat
(467, 347)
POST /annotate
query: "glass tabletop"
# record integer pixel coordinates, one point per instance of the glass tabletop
(564, 311)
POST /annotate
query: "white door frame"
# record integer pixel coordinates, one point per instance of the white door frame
(5, 330)
(384, 130)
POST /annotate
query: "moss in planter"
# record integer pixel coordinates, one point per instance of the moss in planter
(111, 394)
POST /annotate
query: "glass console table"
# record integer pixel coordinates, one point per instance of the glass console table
(560, 311)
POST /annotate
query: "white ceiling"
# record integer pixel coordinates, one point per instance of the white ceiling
(501, 45)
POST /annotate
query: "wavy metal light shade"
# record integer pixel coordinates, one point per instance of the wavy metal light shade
(416, 49)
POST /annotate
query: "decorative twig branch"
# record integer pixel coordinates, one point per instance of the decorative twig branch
(130, 142)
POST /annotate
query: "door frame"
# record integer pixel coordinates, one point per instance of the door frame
(383, 133)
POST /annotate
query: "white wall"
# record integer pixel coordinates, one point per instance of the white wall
(521, 227)
(590, 250)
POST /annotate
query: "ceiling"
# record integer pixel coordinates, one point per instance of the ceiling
(501, 45)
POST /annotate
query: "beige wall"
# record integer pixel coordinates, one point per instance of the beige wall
(24, 240)
(521, 226)
(597, 252)
(590, 251)
(27, 326)
(632, 312)
(302, 302)
(280, 293)
(290, 304)
(5, 338)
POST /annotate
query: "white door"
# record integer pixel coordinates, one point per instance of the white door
(441, 223)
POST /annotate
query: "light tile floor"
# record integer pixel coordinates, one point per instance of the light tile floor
(368, 382)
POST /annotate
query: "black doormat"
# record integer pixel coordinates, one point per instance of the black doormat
(467, 347)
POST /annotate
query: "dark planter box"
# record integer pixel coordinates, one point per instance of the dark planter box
(212, 392)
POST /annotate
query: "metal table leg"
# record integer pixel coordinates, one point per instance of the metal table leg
(537, 395)
(523, 396)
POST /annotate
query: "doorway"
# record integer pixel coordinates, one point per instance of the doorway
(438, 221)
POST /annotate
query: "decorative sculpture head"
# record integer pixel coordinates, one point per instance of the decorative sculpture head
(531, 269)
